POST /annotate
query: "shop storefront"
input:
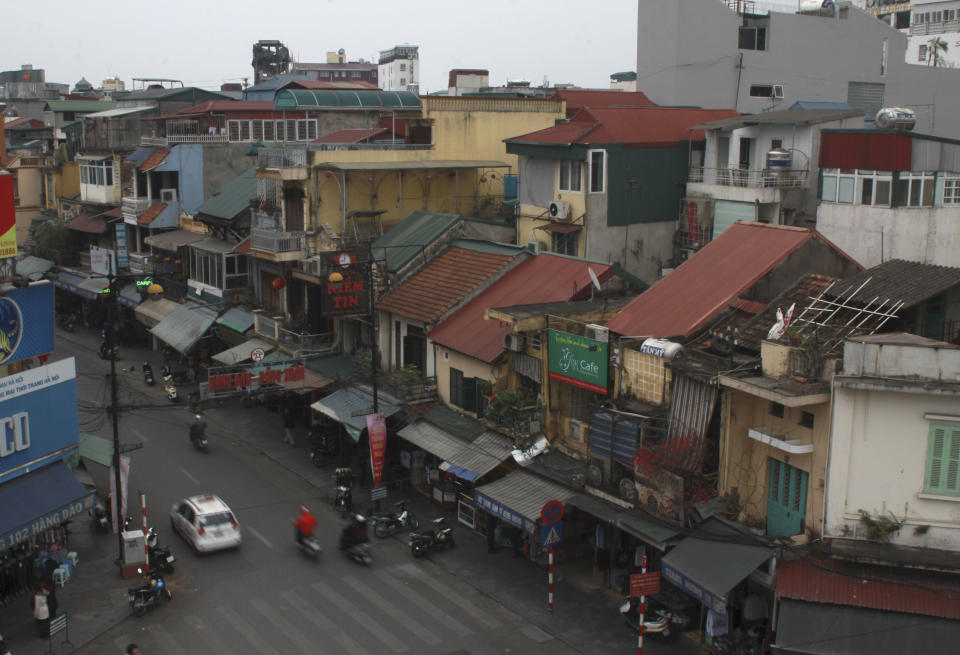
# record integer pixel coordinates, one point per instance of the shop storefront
(469, 466)
(431, 446)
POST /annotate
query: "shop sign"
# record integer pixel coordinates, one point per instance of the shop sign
(257, 377)
(26, 322)
(350, 296)
(102, 261)
(577, 360)
(122, 252)
(678, 579)
(52, 519)
(877, 7)
(8, 217)
(377, 433)
(645, 584)
(29, 432)
(502, 512)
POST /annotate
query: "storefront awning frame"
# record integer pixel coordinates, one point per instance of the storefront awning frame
(518, 498)
(482, 455)
(349, 407)
(183, 328)
(434, 440)
(40, 500)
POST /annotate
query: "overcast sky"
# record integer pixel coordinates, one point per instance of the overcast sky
(207, 42)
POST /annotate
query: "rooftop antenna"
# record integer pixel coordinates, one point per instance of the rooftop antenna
(595, 280)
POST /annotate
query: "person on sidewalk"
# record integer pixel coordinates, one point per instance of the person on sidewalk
(288, 423)
(41, 613)
(51, 590)
(132, 649)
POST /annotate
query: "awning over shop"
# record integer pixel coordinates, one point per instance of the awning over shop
(349, 407)
(218, 246)
(33, 266)
(173, 239)
(427, 436)
(827, 629)
(130, 296)
(242, 352)
(93, 286)
(183, 328)
(708, 569)
(630, 521)
(155, 310)
(519, 497)
(560, 228)
(87, 223)
(332, 366)
(71, 283)
(238, 319)
(40, 500)
(476, 459)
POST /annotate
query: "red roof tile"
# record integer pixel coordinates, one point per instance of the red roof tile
(155, 159)
(578, 99)
(87, 223)
(443, 284)
(352, 136)
(116, 212)
(18, 123)
(642, 126)
(152, 212)
(838, 582)
(704, 285)
(542, 278)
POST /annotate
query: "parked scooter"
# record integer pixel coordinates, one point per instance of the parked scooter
(143, 597)
(198, 434)
(169, 388)
(384, 524)
(655, 622)
(106, 351)
(160, 557)
(323, 448)
(343, 502)
(423, 541)
(148, 374)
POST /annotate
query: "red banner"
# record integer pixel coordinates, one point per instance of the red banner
(377, 431)
(8, 217)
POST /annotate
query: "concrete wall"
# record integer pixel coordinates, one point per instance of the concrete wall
(744, 462)
(814, 256)
(877, 463)
(222, 163)
(891, 360)
(388, 343)
(872, 235)
(687, 54)
(641, 249)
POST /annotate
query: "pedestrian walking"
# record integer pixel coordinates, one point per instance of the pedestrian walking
(288, 423)
(51, 590)
(491, 535)
(132, 649)
(41, 612)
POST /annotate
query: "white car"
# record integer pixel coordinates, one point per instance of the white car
(206, 522)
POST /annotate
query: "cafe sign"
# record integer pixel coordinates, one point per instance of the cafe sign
(577, 360)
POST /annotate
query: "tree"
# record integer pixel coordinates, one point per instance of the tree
(934, 46)
(51, 240)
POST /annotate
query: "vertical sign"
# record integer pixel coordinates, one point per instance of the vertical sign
(377, 432)
(122, 252)
(8, 217)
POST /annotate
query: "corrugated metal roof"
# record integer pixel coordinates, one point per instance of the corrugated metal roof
(543, 278)
(233, 199)
(717, 566)
(238, 319)
(412, 165)
(119, 111)
(894, 589)
(455, 423)
(345, 99)
(432, 439)
(87, 223)
(82, 106)
(183, 328)
(896, 279)
(478, 458)
(173, 239)
(443, 284)
(212, 244)
(31, 265)
(155, 310)
(415, 232)
(784, 117)
(242, 352)
(577, 99)
(154, 159)
(525, 493)
(707, 282)
(351, 405)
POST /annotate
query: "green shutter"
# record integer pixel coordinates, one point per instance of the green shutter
(456, 387)
(943, 460)
(470, 395)
(952, 482)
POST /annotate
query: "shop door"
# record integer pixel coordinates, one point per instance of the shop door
(786, 499)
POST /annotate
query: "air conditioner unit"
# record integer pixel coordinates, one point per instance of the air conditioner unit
(778, 91)
(559, 210)
(513, 341)
(534, 247)
(168, 195)
(598, 333)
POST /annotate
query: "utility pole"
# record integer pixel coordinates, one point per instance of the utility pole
(374, 351)
(109, 341)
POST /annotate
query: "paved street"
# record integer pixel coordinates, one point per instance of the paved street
(266, 597)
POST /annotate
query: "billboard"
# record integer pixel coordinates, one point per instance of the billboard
(31, 434)
(258, 377)
(8, 217)
(577, 360)
(26, 322)
(350, 297)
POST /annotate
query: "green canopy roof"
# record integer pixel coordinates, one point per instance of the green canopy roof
(79, 105)
(345, 99)
(232, 199)
(411, 236)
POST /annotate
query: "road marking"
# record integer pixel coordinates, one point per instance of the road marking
(288, 629)
(326, 626)
(139, 434)
(360, 616)
(260, 537)
(190, 477)
(414, 571)
(391, 610)
(439, 615)
(259, 645)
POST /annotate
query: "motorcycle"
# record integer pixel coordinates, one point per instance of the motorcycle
(148, 374)
(101, 519)
(160, 557)
(658, 621)
(143, 597)
(309, 546)
(199, 439)
(169, 388)
(384, 524)
(354, 541)
(343, 502)
(423, 541)
(107, 351)
(323, 448)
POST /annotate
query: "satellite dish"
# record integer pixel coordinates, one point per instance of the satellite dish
(594, 278)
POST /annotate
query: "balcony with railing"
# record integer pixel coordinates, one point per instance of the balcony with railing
(269, 241)
(133, 207)
(285, 163)
(939, 27)
(754, 178)
(296, 343)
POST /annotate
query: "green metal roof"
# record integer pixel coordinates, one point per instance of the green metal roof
(79, 105)
(410, 236)
(345, 99)
(453, 422)
(489, 247)
(232, 199)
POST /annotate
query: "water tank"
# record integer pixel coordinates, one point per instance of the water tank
(779, 159)
(661, 348)
(896, 118)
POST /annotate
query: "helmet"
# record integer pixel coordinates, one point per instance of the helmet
(153, 582)
(198, 417)
(304, 510)
(360, 518)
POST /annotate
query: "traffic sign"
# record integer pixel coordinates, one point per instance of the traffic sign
(257, 354)
(550, 535)
(552, 512)
(645, 584)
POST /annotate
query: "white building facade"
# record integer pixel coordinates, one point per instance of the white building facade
(399, 69)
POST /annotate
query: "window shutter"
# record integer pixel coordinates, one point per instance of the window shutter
(456, 387)
(952, 482)
(935, 457)
(470, 395)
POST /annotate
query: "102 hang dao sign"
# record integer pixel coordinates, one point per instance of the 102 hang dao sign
(577, 360)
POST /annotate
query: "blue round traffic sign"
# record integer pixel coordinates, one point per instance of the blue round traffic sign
(552, 512)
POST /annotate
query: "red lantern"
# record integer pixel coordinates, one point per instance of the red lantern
(279, 283)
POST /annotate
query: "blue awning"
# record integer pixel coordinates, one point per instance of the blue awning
(130, 296)
(73, 284)
(518, 498)
(349, 407)
(183, 328)
(37, 501)
(140, 155)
